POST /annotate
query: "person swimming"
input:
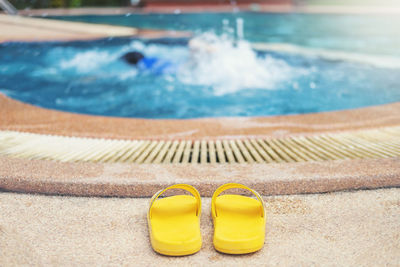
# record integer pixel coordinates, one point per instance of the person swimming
(149, 64)
(199, 49)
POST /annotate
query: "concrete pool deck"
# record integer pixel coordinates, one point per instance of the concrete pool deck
(21, 29)
(17, 28)
(339, 229)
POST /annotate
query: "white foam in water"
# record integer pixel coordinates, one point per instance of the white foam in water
(85, 62)
(228, 67)
(98, 63)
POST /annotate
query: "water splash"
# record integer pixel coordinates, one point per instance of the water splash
(239, 28)
(87, 61)
(225, 64)
(229, 66)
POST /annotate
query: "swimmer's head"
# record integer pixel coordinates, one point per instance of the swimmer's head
(133, 57)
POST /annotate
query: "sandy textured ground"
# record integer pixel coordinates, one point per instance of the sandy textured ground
(343, 229)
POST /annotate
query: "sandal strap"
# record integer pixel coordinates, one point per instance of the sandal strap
(186, 187)
(230, 186)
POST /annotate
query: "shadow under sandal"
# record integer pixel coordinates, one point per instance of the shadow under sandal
(174, 222)
(239, 221)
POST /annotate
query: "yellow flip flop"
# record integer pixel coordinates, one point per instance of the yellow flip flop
(174, 222)
(239, 221)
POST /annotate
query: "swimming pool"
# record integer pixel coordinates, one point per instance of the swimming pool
(234, 80)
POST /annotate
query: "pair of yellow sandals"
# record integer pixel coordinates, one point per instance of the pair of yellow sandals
(174, 222)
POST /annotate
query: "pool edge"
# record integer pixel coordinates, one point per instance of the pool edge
(124, 180)
(28, 118)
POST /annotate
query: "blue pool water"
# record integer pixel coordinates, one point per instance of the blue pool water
(226, 77)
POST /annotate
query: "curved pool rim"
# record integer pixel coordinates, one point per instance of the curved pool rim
(46, 121)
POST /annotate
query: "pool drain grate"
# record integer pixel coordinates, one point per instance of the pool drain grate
(375, 143)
